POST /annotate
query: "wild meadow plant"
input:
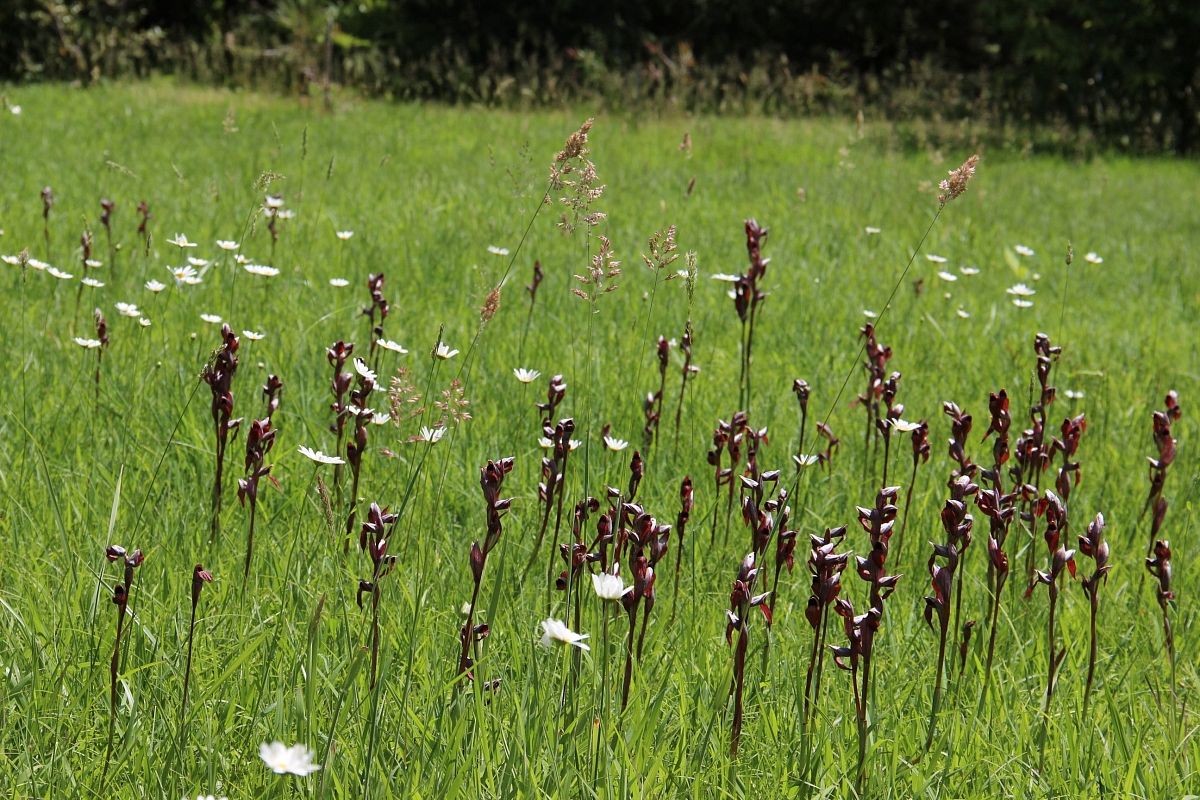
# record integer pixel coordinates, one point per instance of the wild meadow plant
(920, 453)
(200, 576)
(688, 370)
(1052, 508)
(355, 448)
(826, 566)
(1033, 453)
(47, 204)
(378, 307)
(687, 502)
(961, 486)
(491, 481)
(747, 296)
(218, 373)
(1000, 508)
(957, 525)
(652, 405)
(875, 358)
(121, 594)
(107, 208)
(1165, 443)
(741, 601)
(337, 355)
(260, 438)
(855, 657)
(1094, 546)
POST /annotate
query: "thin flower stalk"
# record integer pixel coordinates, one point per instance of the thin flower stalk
(1094, 546)
(491, 481)
(1158, 564)
(741, 602)
(1165, 443)
(121, 594)
(1033, 452)
(532, 288)
(357, 446)
(878, 521)
(687, 371)
(687, 502)
(378, 308)
(826, 566)
(200, 576)
(260, 438)
(218, 374)
(961, 486)
(373, 539)
(337, 355)
(747, 296)
(1000, 508)
(1052, 508)
(920, 454)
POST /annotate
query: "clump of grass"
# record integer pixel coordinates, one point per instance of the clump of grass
(741, 601)
(260, 438)
(1094, 546)
(218, 374)
(491, 480)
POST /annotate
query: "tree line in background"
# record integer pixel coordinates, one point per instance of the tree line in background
(1119, 73)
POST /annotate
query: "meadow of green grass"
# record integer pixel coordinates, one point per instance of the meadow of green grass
(427, 190)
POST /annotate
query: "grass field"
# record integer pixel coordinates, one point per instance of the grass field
(284, 653)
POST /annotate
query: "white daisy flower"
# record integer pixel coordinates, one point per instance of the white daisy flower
(282, 760)
(209, 797)
(497, 251)
(1022, 250)
(198, 263)
(362, 369)
(431, 435)
(254, 336)
(319, 457)
(526, 375)
(388, 344)
(155, 286)
(969, 270)
(273, 201)
(87, 344)
(185, 276)
(444, 352)
(16, 110)
(286, 213)
(947, 276)
(963, 313)
(355, 411)
(36, 263)
(1073, 395)
(936, 259)
(338, 283)
(242, 259)
(724, 276)
(546, 444)
(1093, 258)
(128, 310)
(805, 460)
(871, 230)
(58, 273)
(11, 260)
(614, 444)
(380, 418)
(227, 245)
(92, 263)
(211, 319)
(261, 269)
(344, 235)
(869, 314)
(608, 585)
(181, 241)
(1019, 303)
(92, 282)
(144, 322)
(904, 426)
(1021, 290)
(555, 630)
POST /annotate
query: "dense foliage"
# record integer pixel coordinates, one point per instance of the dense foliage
(1125, 72)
